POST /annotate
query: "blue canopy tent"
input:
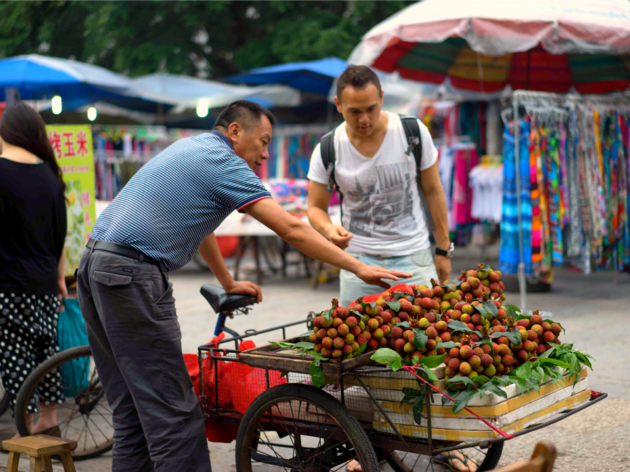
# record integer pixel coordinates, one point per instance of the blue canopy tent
(313, 76)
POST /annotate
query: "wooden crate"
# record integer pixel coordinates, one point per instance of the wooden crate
(276, 357)
(510, 414)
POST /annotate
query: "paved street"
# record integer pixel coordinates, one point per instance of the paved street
(594, 311)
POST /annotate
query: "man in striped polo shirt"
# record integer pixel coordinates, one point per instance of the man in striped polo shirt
(166, 213)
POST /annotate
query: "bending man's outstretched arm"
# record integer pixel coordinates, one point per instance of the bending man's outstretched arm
(305, 239)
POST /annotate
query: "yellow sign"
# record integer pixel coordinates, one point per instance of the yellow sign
(75, 155)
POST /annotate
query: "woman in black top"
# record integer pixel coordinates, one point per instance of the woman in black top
(33, 221)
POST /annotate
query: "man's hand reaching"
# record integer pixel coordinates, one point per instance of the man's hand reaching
(339, 236)
(245, 288)
(373, 275)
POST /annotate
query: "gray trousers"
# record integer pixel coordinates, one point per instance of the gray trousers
(135, 338)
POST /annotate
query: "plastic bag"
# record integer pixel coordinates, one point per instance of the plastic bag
(71, 333)
(403, 288)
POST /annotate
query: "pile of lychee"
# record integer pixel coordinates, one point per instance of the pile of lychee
(470, 348)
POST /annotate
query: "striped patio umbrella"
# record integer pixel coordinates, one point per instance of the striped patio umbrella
(488, 45)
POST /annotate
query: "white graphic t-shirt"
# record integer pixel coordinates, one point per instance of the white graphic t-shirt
(381, 205)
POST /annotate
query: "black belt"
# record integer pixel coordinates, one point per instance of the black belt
(122, 250)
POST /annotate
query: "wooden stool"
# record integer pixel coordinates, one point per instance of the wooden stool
(542, 460)
(40, 448)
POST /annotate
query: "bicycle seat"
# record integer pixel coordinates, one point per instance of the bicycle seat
(221, 301)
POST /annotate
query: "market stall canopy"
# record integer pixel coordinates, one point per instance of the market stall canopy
(488, 45)
(313, 76)
(38, 77)
(186, 92)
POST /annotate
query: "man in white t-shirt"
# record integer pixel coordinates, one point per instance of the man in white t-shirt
(375, 171)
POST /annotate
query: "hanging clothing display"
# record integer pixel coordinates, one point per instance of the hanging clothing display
(575, 193)
(290, 151)
(486, 183)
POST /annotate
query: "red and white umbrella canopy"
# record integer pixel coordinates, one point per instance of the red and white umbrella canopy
(492, 33)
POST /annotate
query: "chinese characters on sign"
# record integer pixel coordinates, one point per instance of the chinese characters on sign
(74, 152)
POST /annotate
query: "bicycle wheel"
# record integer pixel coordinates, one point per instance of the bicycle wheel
(5, 399)
(83, 416)
(483, 459)
(299, 428)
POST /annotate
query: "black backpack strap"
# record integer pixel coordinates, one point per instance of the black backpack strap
(414, 141)
(327, 150)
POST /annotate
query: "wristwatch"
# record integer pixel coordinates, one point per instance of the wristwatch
(448, 253)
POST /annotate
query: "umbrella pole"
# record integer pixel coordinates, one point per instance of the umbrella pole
(521, 265)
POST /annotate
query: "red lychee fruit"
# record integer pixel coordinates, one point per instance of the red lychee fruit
(454, 364)
(318, 348)
(351, 321)
(382, 342)
(313, 338)
(538, 329)
(501, 314)
(361, 339)
(441, 326)
(490, 371)
(546, 326)
(337, 322)
(378, 334)
(321, 334)
(530, 346)
(397, 332)
(502, 349)
(403, 316)
(536, 320)
(475, 319)
(524, 323)
(359, 309)
(405, 305)
(424, 323)
(445, 337)
(431, 332)
(409, 348)
(477, 351)
(426, 303)
(343, 329)
(556, 329)
(317, 322)
(372, 324)
(541, 349)
(367, 334)
(432, 317)
(337, 353)
(521, 356)
(326, 323)
(496, 360)
(347, 350)
(431, 344)
(507, 361)
(400, 344)
(465, 368)
(474, 338)
(531, 335)
(454, 352)
(486, 360)
(391, 342)
(500, 368)
(493, 277)
(465, 352)
(386, 330)
(349, 338)
(475, 361)
(332, 333)
(427, 293)
(326, 352)
(356, 331)
(338, 343)
(549, 337)
(417, 354)
(373, 344)
(465, 318)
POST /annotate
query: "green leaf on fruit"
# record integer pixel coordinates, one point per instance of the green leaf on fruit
(372, 304)
(361, 349)
(409, 395)
(456, 325)
(282, 344)
(511, 310)
(461, 379)
(389, 357)
(402, 324)
(513, 335)
(304, 345)
(356, 313)
(420, 339)
(524, 371)
(318, 356)
(448, 345)
(327, 314)
(417, 409)
(394, 305)
(491, 308)
(462, 399)
(493, 388)
(558, 362)
(399, 295)
(482, 310)
(317, 375)
(431, 375)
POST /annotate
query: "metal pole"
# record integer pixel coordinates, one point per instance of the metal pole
(517, 145)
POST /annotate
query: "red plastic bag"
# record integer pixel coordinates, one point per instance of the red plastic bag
(403, 288)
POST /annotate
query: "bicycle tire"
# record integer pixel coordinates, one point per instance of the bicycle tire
(297, 392)
(29, 385)
(490, 461)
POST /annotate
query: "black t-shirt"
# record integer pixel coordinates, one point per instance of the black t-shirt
(32, 227)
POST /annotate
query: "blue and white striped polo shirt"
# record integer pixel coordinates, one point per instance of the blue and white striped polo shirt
(178, 198)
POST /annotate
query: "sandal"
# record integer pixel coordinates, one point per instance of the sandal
(449, 461)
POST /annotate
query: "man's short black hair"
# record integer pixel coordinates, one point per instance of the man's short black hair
(358, 77)
(245, 113)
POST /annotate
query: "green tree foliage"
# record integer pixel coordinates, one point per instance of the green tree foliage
(206, 39)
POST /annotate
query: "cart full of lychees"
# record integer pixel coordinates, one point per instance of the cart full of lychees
(431, 389)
